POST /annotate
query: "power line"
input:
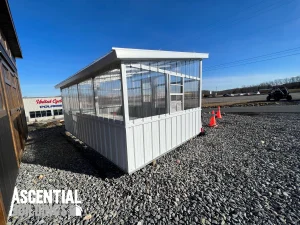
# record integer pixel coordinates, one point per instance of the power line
(265, 28)
(270, 7)
(266, 9)
(221, 20)
(298, 53)
(255, 57)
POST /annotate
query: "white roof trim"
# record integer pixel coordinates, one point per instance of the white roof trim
(143, 54)
(118, 54)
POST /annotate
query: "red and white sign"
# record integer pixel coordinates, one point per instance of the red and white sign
(49, 101)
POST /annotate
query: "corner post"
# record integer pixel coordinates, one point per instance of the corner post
(78, 96)
(124, 94)
(94, 96)
(200, 87)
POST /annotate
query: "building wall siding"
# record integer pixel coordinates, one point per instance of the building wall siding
(31, 105)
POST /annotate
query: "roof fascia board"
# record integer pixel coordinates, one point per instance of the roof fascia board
(140, 54)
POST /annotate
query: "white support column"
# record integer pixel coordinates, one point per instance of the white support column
(78, 95)
(200, 88)
(167, 93)
(94, 96)
(124, 94)
(182, 93)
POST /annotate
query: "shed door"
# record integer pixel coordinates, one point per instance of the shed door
(8, 161)
(15, 110)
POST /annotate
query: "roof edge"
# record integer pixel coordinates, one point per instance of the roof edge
(117, 54)
(146, 54)
(20, 55)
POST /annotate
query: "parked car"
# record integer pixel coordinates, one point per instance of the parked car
(228, 95)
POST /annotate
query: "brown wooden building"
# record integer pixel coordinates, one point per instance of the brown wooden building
(13, 128)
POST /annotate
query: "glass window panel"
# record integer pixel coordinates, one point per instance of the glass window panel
(73, 99)
(86, 97)
(146, 83)
(185, 67)
(44, 113)
(32, 114)
(176, 89)
(60, 112)
(38, 114)
(191, 93)
(108, 94)
(173, 80)
(49, 113)
(65, 99)
(176, 103)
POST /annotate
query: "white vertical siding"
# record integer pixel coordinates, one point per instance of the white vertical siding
(162, 136)
(149, 139)
(168, 130)
(136, 145)
(106, 137)
(155, 139)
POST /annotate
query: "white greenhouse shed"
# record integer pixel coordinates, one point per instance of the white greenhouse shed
(133, 105)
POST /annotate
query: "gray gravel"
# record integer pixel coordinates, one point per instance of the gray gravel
(246, 171)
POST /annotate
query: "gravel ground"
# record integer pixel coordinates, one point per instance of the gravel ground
(245, 171)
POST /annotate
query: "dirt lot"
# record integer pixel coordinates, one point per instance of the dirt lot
(246, 171)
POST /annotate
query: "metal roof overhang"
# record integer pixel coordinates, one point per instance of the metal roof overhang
(8, 29)
(118, 54)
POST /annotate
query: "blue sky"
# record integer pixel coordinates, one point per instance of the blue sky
(58, 38)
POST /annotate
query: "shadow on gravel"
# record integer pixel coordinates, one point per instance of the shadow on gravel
(50, 148)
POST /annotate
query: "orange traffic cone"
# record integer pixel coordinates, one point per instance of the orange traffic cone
(212, 122)
(219, 116)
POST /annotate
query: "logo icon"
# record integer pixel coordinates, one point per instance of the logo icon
(75, 210)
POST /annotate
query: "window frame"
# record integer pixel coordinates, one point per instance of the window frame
(179, 83)
(47, 111)
(7, 75)
(31, 116)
